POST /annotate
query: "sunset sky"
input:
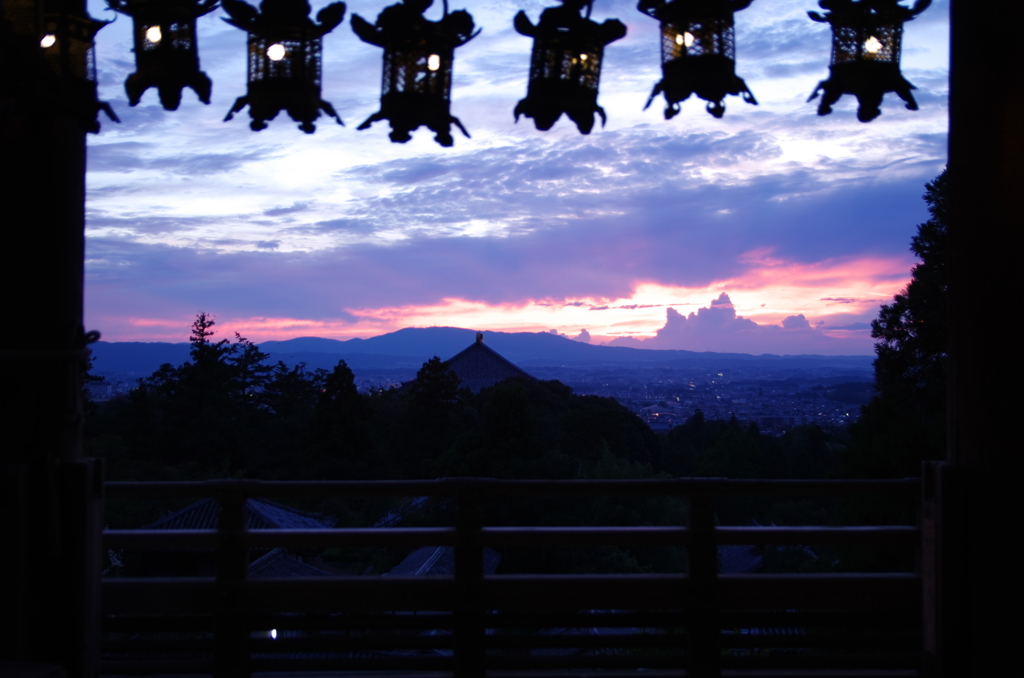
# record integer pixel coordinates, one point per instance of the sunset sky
(778, 230)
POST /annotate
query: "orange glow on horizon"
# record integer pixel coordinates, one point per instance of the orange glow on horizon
(767, 293)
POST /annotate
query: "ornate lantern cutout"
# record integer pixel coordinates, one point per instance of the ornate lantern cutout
(284, 60)
(698, 52)
(166, 55)
(565, 66)
(416, 82)
(866, 42)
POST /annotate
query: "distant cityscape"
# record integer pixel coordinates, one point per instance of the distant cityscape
(776, 399)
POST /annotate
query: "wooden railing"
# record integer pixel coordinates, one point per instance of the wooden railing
(469, 625)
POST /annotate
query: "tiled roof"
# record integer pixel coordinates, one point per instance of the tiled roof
(439, 560)
(263, 515)
(287, 518)
(397, 515)
(277, 563)
(738, 559)
(480, 366)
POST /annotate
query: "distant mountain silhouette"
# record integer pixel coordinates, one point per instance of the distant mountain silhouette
(138, 357)
(410, 347)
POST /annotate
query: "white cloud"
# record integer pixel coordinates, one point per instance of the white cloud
(718, 328)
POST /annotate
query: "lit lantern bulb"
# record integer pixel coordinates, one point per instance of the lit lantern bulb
(48, 41)
(872, 45)
(684, 39)
(434, 62)
(583, 57)
(276, 52)
(154, 35)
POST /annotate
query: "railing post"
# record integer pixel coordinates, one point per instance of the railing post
(469, 573)
(943, 569)
(231, 634)
(705, 660)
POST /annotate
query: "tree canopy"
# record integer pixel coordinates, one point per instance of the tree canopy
(905, 422)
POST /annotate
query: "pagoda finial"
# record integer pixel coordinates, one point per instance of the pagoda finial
(479, 337)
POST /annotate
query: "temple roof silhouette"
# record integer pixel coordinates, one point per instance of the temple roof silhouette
(480, 366)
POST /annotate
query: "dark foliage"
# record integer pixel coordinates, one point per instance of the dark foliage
(229, 412)
(905, 422)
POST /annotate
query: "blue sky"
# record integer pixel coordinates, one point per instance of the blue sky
(624, 232)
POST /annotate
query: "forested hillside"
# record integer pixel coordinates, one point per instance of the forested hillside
(228, 412)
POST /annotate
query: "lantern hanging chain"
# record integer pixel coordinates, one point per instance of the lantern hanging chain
(590, 7)
(445, 7)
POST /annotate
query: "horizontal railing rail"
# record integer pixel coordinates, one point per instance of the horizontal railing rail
(699, 622)
(515, 536)
(493, 487)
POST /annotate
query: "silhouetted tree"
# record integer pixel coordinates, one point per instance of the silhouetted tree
(339, 431)
(905, 422)
(251, 371)
(430, 420)
(436, 389)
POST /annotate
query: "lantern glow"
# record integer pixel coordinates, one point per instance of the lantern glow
(416, 79)
(66, 35)
(565, 65)
(276, 52)
(697, 52)
(166, 53)
(867, 38)
(284, 54)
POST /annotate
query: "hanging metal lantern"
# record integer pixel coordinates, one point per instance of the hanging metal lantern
(65, 34)
(565, 66)
(416, 82)
(866, 42)
(166, 55)
(68, 39)
(698, 52)
(284, 60)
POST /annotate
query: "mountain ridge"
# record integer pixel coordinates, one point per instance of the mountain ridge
(414, 345)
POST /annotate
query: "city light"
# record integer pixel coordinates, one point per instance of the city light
(48, 41)
(434, 62)
(154, 35)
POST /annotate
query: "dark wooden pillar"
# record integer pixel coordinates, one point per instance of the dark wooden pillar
(469, 620)
(986, 164)
(705, 637)
(232, 632)
(49, 575)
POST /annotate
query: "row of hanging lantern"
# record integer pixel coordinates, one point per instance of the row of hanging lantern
(285, 45)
